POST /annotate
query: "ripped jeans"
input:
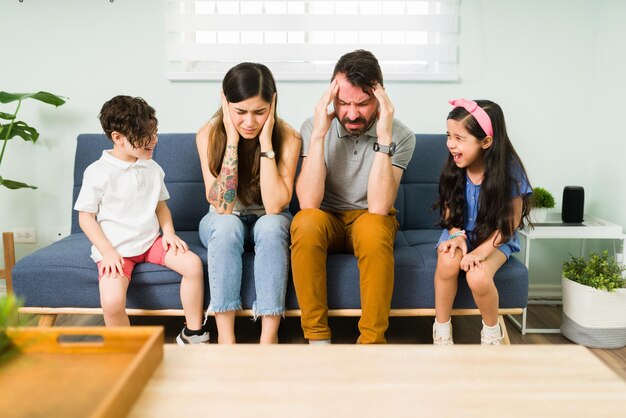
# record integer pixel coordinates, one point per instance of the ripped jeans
(225, 236)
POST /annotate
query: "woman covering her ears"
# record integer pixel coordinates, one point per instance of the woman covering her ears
(248, 157)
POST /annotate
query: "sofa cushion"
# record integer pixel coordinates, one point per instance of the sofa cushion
(63, 275)
(419, 187)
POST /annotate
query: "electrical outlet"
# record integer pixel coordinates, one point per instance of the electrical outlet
(55, 233)
(25, 235)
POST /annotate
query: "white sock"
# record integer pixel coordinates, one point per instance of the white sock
(319, 342)
(493, 332)
(443, 330)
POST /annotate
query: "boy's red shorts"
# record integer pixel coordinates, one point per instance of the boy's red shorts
(154, 254)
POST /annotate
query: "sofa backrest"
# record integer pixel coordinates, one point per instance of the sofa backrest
(178, 156)
(419, 187)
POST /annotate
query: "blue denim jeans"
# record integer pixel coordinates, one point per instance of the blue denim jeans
(225, 237)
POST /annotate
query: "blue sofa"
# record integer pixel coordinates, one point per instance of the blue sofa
(61, 277)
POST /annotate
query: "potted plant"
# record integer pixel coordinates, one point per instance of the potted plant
(594, 302)
(9, 306)
(542, 201)
(10, 127)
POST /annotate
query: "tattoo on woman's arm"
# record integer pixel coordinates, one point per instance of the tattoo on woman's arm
(224, 190)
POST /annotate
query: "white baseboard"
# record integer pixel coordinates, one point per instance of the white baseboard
(544, 291)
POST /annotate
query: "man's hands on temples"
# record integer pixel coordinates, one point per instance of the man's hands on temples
(323, 118)
(385, 115)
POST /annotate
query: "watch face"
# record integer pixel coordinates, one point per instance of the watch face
(387, 149)
(269, 154)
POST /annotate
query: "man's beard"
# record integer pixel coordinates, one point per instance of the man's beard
(358, 132)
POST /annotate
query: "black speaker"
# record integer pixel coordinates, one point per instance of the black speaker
(573, 204)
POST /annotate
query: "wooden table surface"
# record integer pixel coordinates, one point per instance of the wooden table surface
(381, 381)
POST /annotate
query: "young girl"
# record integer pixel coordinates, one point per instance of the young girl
(484, 196)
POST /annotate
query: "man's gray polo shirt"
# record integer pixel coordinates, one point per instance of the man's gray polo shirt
(349, 160)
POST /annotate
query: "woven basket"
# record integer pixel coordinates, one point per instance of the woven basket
(593, 318)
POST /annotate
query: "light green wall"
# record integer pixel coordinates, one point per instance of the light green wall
(608, 136)
(554, 67)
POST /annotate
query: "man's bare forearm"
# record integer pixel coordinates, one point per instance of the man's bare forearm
(310, 185)
(381, 186)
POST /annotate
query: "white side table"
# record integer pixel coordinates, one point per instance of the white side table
(553, 228)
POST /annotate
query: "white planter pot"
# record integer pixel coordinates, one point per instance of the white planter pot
(538, 215)
(593, 318)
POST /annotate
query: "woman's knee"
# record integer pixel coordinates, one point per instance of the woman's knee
(272, 227)
(226, 228)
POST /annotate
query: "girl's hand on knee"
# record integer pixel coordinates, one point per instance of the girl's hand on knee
(457, 243)
(471, 261)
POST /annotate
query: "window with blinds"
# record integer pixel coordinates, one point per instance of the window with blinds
(302, 40)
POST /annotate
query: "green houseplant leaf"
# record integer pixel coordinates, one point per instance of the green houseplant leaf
(42, 96)
(542, 198)
(19, 128)
(9, 306)
(13, 185)
(600, 272)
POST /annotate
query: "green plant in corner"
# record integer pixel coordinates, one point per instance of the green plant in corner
(542, 198)
(600, 272)
(9, 317)
(10, 127)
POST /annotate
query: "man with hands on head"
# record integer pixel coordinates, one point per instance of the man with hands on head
(353, 160)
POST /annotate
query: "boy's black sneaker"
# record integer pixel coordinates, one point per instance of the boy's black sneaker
(184, 339)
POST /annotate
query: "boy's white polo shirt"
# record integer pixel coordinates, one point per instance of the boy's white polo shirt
(124, 197)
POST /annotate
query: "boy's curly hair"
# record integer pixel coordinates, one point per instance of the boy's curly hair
(130, 116)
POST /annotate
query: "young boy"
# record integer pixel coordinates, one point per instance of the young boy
(121, 207)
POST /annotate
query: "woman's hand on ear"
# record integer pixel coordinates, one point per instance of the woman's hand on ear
(232, 136)
(265, 137)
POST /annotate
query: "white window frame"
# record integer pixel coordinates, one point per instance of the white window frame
(301, 40)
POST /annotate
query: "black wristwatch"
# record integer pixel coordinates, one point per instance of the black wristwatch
(385, 149)
(269, 154)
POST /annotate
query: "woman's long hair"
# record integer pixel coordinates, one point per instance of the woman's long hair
(503, 171)
(244, 81)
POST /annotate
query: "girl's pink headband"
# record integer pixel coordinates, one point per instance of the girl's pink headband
(478, 112)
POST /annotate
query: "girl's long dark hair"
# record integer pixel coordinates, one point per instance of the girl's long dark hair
(244, 81)
(503, 171)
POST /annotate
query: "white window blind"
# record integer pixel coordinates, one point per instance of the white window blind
(302, 40)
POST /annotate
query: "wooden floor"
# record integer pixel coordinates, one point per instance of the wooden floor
(402, 330)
